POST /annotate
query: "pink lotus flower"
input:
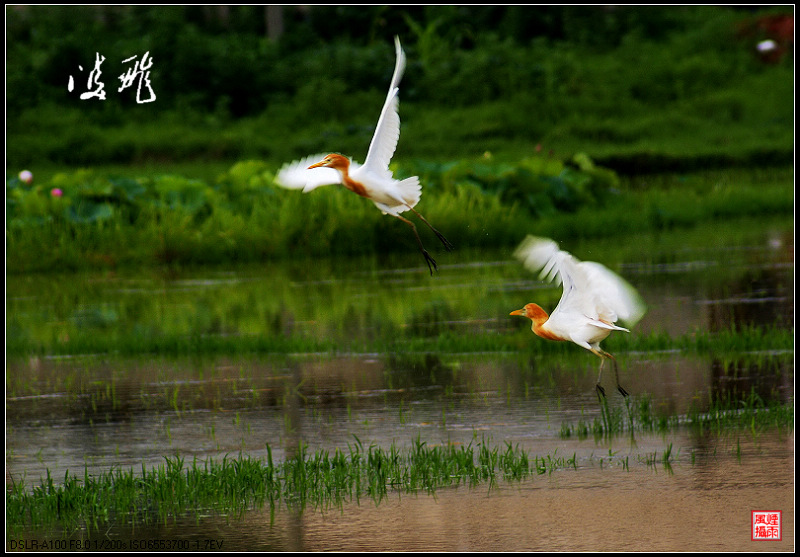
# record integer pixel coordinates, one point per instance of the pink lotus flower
(26, 176)
(55, 192)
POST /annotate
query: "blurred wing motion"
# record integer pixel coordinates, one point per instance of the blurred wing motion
(590, 289)
(594, 298)
(297, 176)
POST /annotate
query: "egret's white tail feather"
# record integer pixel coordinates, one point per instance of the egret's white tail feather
(406, 194)
(410, 190)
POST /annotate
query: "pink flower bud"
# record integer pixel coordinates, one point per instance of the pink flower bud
(55, 192)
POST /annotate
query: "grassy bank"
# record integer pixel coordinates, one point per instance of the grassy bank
(573, 107)
(100, 221)
(162, 343)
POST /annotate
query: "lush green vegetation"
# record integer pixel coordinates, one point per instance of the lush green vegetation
(512, 116)
(238, 484)
(98, 221)
(92, 341)
(645, 87)
(568, 122)
(287, 308)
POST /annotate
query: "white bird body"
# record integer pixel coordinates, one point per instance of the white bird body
(372, 180)
(388, 194)
(593, 299)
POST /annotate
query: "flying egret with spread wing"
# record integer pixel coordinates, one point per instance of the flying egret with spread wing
(372, 180)
(593, 300)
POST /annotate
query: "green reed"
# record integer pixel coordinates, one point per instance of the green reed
(236, 484)
(743, 412)
(324, 478)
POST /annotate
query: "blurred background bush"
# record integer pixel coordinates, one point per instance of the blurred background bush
(280, 81)
(580, 120)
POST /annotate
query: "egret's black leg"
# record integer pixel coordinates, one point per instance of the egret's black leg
(603, 355)
(428, 259)
(600, 389)
(447, 245)
(622, 391)
(601, 392)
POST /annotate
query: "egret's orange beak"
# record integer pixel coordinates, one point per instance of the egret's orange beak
(317, 164)
(518, 312)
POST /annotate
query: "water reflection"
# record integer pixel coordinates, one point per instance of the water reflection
(124, 412)
(764, 377)
(760, 297)
(103, 411)
(591, 510)
(686, 290)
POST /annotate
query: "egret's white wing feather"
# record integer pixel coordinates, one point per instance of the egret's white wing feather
(296, 175)
(590, 289)
(613, 293)
(387, 131)
(399, 64)
(540, 254)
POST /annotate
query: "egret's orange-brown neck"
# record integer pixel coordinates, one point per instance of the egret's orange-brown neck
(538, 316)
(342, 164)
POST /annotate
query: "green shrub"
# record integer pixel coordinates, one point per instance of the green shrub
(601, 80)
(105, 221)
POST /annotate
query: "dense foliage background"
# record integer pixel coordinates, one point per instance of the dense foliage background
(633, 81)
(510, 115)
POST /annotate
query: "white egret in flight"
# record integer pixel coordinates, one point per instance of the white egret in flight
(372, 180)
(593, 300)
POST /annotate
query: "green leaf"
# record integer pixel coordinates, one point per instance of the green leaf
(87, 211)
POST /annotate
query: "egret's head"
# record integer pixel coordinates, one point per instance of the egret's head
(333, 160)
(531, 311)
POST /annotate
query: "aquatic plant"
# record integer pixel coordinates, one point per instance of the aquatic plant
(724, 414)
(236, 484)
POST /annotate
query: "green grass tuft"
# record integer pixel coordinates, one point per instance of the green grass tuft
(236, 484)
(730, 413)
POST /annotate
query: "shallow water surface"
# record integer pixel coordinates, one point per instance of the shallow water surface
(96, 411)
(700, 507)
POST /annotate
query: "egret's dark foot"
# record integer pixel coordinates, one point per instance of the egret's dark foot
(430, 261)
(445, 242)
(601, 392)
(622, 391)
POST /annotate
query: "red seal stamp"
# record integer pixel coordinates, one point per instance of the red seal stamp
(766, 526)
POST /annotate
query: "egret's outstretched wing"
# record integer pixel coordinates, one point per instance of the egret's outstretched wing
(387, 131)
(297, 176)
(590, 288)
(612, 294)
(541, 254)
